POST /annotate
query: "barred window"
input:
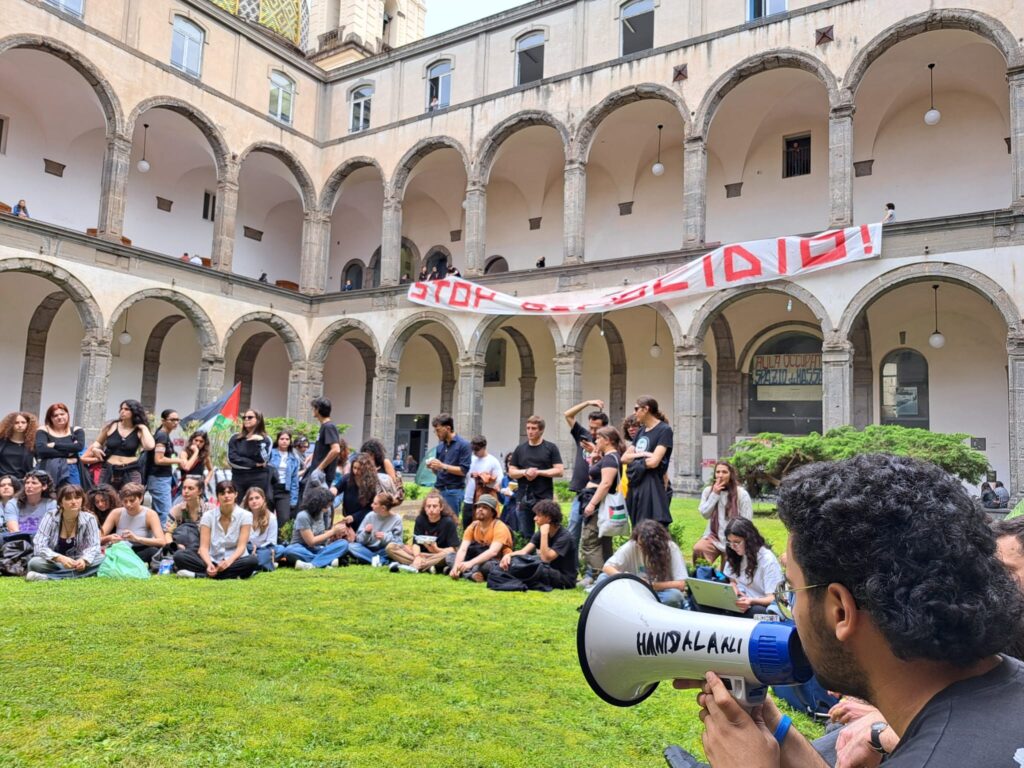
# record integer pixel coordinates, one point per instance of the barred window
(796, 156)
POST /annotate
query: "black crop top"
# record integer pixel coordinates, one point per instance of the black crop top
(123, 446)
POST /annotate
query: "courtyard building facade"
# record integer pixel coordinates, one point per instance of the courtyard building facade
(296, 147)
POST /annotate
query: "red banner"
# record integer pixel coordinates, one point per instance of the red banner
(757, 261)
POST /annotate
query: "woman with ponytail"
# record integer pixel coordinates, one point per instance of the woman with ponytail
(720, 503)
(647, 463)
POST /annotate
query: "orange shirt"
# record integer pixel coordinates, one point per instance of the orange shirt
(498, 531)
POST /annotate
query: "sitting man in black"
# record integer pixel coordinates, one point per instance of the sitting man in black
(899, 600)
(554, 565)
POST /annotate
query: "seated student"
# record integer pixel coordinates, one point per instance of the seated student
(381, 527)
(9, 488)
(183, 522)
(263, 539)
(721, 502)
(752, 568)
(651, 554)
(135, 524)
(435, 519)
(25, 511)
(223, 538)
(554, 545)
(67, 542)
(485, 541)
(314, 544)
(101, 501)
(357, 488)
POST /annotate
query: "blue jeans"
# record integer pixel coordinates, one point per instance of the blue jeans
(365, 554)
(320, 558)
(160, 492)
(576, 521)
(453, 497)
(266, 557)
(55, 571)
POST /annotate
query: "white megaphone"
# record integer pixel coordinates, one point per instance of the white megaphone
(628, 641)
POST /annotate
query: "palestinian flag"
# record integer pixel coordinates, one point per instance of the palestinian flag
(221, 414)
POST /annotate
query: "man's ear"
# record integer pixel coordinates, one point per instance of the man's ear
(841, 612)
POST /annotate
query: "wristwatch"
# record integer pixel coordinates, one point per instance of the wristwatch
(876, 737)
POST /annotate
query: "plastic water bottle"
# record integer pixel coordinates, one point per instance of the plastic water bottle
(375, 561)
(165, 566)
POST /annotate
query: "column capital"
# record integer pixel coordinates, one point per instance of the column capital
(689, 355)
(1015, 75)
(209, 359)
(576, 166)
(97, 345)
(120, 143)
(842, 111)
(476, 187)
(315, 217)
(392, 204)
(386, 371)
(836, 348)
(231, 170)
(1015, 345)
(568, 356)
(694, 143)
(471, 363)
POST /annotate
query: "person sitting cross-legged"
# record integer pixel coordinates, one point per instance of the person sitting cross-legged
(223, 538)
(67, 544)
(381, 527)
(485, 541)
(314, 544)
(135, 524)
(434, 537)
(555, 567)
(651, 554)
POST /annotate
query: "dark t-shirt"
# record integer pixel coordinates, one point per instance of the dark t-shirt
(562, 542)
(579, 470)
(608, 460)
(543, 456)
(159, 470)
(973, 722)
(328, 436)
(649, 439)
(15, 459)
(444, 529)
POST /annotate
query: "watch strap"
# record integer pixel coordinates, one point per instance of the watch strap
(876, 737)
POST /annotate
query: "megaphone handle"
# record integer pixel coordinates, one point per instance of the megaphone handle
(749, 696)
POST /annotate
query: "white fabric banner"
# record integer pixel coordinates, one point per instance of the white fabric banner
(727, 266)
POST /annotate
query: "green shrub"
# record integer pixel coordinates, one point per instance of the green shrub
(562, 492)
(414, 491)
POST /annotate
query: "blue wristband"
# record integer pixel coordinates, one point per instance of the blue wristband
(782, 729)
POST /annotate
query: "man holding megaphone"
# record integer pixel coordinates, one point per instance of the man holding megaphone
(899, 600)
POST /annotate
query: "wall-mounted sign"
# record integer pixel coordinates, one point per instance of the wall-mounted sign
(789, 377)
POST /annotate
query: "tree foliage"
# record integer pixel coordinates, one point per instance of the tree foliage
(762, 461)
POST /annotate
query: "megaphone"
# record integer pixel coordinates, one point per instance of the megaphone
(628, 641)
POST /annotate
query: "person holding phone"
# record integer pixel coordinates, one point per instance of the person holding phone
(586, 454)
(722, 501)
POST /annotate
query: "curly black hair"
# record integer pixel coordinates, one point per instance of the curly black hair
(905, 538)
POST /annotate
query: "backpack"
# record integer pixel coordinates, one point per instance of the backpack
(503, 581)
(186, 536)
(14, 556)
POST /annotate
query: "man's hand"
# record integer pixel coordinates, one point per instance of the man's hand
(545, 529)
(850, 709)
(853, 747)
(530, 473)
(433, 464)
(505, 562)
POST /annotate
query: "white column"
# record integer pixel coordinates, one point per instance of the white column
(574, 212)
(840, 166)
(316, 239)
(93, 384)
(114, 187)
(225, 217)
(836, 384)
(476, 229)
(568, 392)
(391, 245)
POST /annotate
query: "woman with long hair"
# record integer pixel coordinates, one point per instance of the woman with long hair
(602, 479)
(651, 554)
(384, 465)
(316, 543)
(34, 501)
(223, 537)
(357, 487)
(120, 444)
(101, 501)
(284, 476)
(9, 487)
(724, 500)
(17, 444)
(434, 536)
(249, 453)
(264, 527)
(752, 568)
(381, 527)
(67, 544)
(195, 459)
(59, 447)
(647, 464)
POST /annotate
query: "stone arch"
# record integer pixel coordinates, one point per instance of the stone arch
(754, 65)
(363, 271)
(407, 328)
(587, 128)
(927, 272)
(336, 331)
(422, 148)
(447, 372)
(292, 343)
(245, 363)
(35, 350)
(977, 22)
(109, 103)
(332, 187)
(151, 360)
(491, 143)
(433, 251)
(205, 125)
(292, 163)
(485, 331)
(88, 309)
(706, 313)
(618, 371)
(200, 320)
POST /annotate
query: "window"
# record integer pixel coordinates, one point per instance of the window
(439, 86)
(362, 100)
(637, 26)
(785, 385)
(706, 426)
(796, 156)
(282, 96)
(209, 206)
(437, 263)
(496, 265)
(761, 8)
(353, 276)
(530, 58)
(187, 47)
(904, 389)
(74, 7)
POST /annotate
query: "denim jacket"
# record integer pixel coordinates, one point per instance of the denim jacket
(291, 475)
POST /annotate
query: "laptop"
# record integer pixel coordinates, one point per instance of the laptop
(713, 594)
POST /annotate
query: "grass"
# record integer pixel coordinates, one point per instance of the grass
(347, 667)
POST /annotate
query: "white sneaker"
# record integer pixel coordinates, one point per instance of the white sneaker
(303, 566)
(36, 576)
(407, 569)
(186, 574)
(334, 563)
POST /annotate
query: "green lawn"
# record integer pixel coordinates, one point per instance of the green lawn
(346, 667)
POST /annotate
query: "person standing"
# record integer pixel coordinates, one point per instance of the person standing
(284, 466)
(328, 442)
(59, 447)
(647, 463)
(451, 461)
(485, 476)
(159, 463)
(603, 479)
(249, 453)
(20, 210)
(17, 443)
(534, 464)
(120, 444)
(585, 453)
